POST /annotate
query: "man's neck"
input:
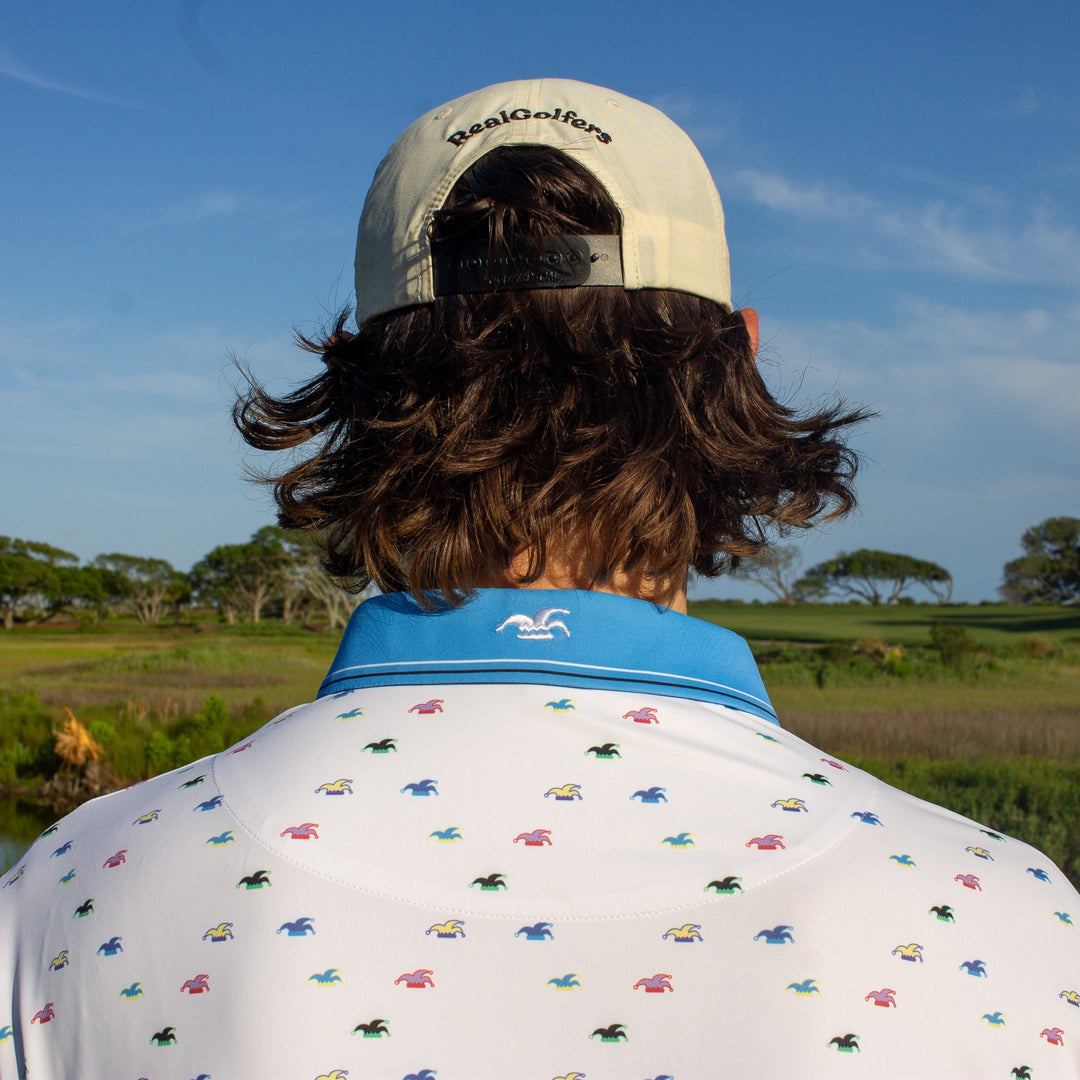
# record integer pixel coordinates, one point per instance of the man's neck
(562, 574)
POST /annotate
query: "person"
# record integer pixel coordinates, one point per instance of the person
(538, 822)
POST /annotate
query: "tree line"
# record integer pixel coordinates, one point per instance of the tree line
(279, 573)
(1048, 572)
(276, 573)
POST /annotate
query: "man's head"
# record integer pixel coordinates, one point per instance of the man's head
(464, 436)
(672, 223)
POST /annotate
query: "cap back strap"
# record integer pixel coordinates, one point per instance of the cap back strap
(564, 262)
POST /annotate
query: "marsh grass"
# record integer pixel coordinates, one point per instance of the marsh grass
(943, 732)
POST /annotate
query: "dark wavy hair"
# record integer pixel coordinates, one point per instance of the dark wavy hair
(630, 429)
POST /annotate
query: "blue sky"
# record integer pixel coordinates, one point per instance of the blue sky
(184, 179)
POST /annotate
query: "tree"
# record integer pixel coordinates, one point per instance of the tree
(1049, 570)
(773, 569)
(141, 584)
(243, 576)
(306, 581)
(29, 575)
(878, 576)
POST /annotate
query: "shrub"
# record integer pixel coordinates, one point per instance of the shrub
(953, 643)
(14, 757)
(837, 652)
(1036, 645)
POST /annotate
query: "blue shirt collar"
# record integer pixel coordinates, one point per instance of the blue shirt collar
(556, 637)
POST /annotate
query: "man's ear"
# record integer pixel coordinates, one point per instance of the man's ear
(750, 319)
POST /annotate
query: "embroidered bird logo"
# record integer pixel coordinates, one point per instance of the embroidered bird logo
(539, 627)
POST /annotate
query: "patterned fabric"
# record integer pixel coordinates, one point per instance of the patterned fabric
(567, 876)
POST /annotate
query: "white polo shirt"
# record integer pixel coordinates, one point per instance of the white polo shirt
(546, 836)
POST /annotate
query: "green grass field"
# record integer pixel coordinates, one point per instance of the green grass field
(990, 624)
(995, 734)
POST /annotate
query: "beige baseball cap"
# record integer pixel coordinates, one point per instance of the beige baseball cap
(672, 222)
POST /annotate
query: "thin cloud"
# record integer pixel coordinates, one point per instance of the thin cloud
(15, 69)
(968, 237)
(816, 201)
(705, 121)
(1026, 103)
(223, 203)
